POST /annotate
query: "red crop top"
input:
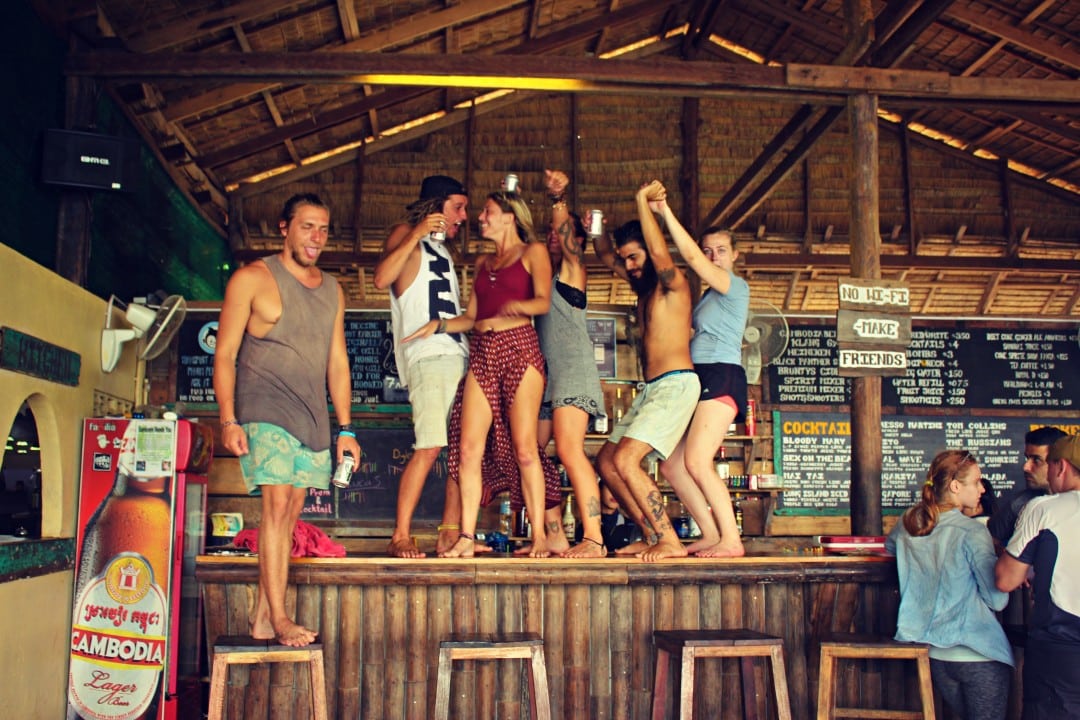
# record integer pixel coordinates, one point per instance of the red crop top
(495, 288)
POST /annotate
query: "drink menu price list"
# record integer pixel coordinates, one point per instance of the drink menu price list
(370, 343)
(947, 367)
(814, 451)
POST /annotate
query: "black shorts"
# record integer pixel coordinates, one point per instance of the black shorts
(720, 379)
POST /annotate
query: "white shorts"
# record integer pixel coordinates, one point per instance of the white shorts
(433, 383)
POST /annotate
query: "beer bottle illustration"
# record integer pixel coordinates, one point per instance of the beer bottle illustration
(120, 620)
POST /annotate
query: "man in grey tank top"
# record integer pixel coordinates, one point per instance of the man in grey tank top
(280, 347)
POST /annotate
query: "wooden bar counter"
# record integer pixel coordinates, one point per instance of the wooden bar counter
(381, 619)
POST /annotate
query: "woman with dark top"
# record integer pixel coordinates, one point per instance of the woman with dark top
(504, 385)
(573, 396)
(948, 598)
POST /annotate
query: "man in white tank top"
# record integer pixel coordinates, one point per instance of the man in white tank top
(418, 270)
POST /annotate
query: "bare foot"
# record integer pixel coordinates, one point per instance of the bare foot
(538, 549)
(293, 635)
(723, 549)
(703, 543)
(635, 548)
(664, 549)
(403, 548)
(464, 548)
(446, 540)
(587, 548)
(556, 545)
(261, 629)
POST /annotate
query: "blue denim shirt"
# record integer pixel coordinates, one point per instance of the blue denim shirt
(947, 591)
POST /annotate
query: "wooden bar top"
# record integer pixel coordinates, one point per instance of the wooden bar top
(502, 569)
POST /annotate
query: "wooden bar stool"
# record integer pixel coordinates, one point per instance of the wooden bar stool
(690, 645)
(863, 648)
(487, 646)
(246, 650)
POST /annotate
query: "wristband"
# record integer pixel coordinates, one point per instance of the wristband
(227, 423)
(346, 433)
(441, 328)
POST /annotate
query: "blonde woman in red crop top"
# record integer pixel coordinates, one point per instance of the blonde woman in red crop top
(504, 386)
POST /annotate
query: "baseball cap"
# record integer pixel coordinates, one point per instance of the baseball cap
(1066, 448)
(437, 186)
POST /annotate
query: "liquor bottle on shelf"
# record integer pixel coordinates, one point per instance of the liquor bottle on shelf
(735, 500)
(506, 517)
(569, 523)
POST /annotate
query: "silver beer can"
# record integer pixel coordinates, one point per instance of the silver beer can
(596, 223)
(510, 182)
(437, 235)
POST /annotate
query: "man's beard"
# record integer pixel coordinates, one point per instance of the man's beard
(646, 283)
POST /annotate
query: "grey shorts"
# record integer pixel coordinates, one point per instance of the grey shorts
(433, 382)
(661, 412)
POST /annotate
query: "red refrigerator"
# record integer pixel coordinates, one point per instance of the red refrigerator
(142, 520)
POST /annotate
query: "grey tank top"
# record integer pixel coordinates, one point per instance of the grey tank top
(281, 378)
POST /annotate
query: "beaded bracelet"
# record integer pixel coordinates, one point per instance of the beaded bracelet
(227, 423)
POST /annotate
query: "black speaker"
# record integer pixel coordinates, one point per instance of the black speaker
(89, 160)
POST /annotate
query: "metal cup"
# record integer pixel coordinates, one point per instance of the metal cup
(510, 182)
(596, 223)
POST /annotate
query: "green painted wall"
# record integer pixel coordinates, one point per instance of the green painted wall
(141, 241)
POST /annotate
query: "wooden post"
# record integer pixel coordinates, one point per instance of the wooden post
(865, 264)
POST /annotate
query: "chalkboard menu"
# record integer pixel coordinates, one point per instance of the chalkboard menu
(950, 367)
(812, 452)
(368, 338)
(372, 494)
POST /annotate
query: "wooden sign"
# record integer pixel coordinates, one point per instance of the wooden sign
(33, 356)
(864, 362)
(858, 327)
(873, 295)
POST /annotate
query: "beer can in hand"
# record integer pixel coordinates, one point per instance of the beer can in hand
(596, 223)
(344, 471)
(510, 183)
(438, 235)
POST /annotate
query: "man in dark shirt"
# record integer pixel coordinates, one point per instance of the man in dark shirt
(1036, 445)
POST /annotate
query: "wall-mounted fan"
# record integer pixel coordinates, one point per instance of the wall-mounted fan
(153, 325)
(764, 340)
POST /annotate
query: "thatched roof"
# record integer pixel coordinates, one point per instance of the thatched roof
(738, 105)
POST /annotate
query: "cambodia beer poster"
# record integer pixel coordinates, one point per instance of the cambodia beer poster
(123, 550)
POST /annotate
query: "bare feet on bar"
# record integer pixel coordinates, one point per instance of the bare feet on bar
(635, 548)
(703, 543)
(664, 548)
(465, 547)
(587, 548)
(293, 635)
(404, 548)
(723, 549)
(540, 549)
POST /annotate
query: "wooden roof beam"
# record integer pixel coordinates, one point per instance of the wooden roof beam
(1014, 35)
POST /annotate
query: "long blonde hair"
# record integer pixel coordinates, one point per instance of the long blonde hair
(513, 203)
(946, 466)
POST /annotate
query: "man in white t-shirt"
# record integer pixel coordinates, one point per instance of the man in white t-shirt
(1047, 541)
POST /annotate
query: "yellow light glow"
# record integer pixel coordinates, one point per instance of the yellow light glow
(481, 99)
(475, 81)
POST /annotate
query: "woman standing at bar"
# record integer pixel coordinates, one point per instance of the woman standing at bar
(504, 385)
(716, 349)
(573, 394)
(947, 594)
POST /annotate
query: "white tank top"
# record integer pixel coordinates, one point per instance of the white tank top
(433, 294)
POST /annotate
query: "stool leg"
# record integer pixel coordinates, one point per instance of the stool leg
(442, 686)
(826, 691)
(218, 675)
(926, 687)
(749, 687)
(783, 703)
(686, 684)
(318, 685)
(538, 685)
(660, 684)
